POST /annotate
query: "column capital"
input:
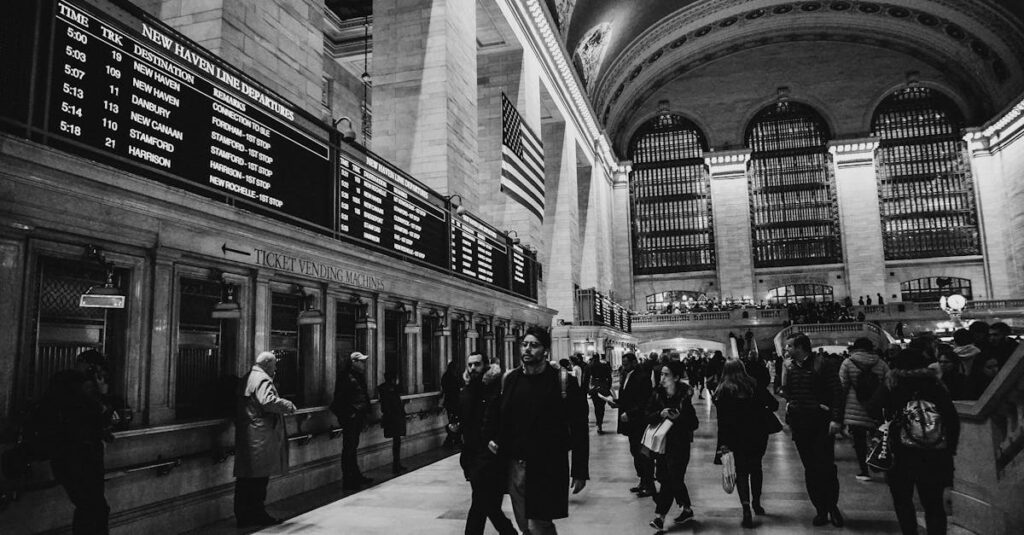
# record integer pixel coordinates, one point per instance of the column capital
(727, 164)
(854, 152)
(621, 173)
(978, 142)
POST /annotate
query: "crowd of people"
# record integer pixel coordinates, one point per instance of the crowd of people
(524, 432)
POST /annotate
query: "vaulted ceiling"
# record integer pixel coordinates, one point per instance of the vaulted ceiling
(630, 54)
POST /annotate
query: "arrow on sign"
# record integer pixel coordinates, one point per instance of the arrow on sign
(227, 249)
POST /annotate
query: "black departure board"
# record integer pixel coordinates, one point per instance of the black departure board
(379, 205)
(111, 83)
(479, 251)
(155, 100)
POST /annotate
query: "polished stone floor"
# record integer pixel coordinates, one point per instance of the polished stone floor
(434, 498)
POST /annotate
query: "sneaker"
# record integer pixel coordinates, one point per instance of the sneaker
(658, 523)
(685, 516)
(863, 476)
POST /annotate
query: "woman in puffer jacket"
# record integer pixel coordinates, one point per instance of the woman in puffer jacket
(862, 359)
(673, 400)
(926, 465)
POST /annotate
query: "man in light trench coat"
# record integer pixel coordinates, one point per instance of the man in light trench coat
(261, 446)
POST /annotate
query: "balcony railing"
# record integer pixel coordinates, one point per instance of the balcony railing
(738, 314)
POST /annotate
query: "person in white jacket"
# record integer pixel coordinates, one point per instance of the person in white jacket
(261, 445)
(862, 359)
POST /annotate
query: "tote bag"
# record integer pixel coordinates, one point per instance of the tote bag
(881, 455)
(728, 472)
(655, 437)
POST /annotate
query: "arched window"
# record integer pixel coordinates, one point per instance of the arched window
(930, 289)
(671, 198)
(795, 216)
(925, 189)
(800, 293)
(674, 301)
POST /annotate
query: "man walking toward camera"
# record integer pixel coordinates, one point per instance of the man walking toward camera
(814, 414)
(261, 449)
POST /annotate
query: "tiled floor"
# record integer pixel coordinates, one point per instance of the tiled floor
(434, 499)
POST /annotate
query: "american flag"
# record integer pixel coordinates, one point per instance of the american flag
(522, 160)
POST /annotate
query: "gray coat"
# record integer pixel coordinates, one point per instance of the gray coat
(855, 413)
(261, 446)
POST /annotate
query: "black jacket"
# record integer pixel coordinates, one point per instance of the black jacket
(741, 420)
(351, 400)
(680, 435)
(478, 406)
(634, 393)
(601, 377)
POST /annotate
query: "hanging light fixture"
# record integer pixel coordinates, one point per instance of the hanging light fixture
(106, 296)
(227, 308)
(367, 80)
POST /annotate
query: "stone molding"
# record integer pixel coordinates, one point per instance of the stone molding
(999, 133)
(853, 152)
(728, 164)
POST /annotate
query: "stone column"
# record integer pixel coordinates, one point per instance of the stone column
(425, 70)
(162, 363)
(730, 202)
(622, 236)
(860, 219)
(561, 254)
(993, 215)
(366, 342)
(472, 335)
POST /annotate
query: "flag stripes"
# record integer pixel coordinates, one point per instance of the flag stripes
(522, 160)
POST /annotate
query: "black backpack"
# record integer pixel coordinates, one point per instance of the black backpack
(867, 382)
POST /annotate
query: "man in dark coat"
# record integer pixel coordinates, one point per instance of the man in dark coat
(392, 417)
(542, 416)
(600, 385)
(478, 408)
(351, 404)
(634, 391)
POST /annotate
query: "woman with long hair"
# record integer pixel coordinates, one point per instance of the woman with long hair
(673, 400)
(743, 413)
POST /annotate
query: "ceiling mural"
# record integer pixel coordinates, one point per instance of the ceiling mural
(591, 51)
(563, 14)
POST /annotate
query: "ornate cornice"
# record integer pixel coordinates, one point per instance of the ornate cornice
(717, 20)
(726, 165)
(853, 152)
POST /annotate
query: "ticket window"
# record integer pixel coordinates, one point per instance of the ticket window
(345, 339)
(517, 352)
(481, 339)
(431, 345)
(62, 329)
(285, 343)
(499, 343)
(394, 345)
(205, 352)
(459, 344)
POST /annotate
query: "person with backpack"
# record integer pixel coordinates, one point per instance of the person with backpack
(925, 431)
(542, 416)
(861, 375)
(672, 400)
(814, 414)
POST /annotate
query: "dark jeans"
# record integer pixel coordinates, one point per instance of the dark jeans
(672, 476)
(250, 493)
(80, 472)
(860, 445)
(486, 504)
(749, 477)
(643, 465)
(598, 410)
(817, 453)
(917, 470)
(350, 473)
(396, 451)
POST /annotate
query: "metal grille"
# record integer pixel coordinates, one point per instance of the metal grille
(198, 365)
(925, 188)
(50, 359)
(793, 206)
(800, 293)
(670, 192)
(61, 287)
(284, 342)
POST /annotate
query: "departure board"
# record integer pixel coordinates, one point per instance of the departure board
(148, 97)
(479, 251)
(522, 264)
(379, 205)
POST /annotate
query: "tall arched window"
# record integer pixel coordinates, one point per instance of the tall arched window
(800, 293)
(671, 198)
(925, 189)
(931, 289)
(795, 217)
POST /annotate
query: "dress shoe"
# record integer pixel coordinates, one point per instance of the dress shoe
(837, 517)
(366, 481)
(658, 523)
(643, 493)
(635, 489)
(268, 521)
(748, 520)
(820, 519)
(685, 516)
(398, 469)
(758, 510)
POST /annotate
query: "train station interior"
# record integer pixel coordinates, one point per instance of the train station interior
(185, 184)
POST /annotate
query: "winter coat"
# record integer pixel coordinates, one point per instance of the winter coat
(741, 421)
(351, 402)
(680, 435)
(563, 422)
(478, 405)
(902, 386)
(634, 392)
(966, 357)
(601, 377)
(261, 445)
(849, 373)
(758, 370)
(392, 410)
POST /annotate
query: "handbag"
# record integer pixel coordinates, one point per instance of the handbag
(881, 457)
(728, 472)
(655, 437)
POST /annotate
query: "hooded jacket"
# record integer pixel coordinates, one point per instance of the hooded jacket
(849, 374)
(966, 355)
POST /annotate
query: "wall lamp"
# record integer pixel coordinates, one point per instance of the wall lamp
(515, 239)
(107, 295)
(459, 209)
(227, 308)
(309, 315)
(347, 133)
